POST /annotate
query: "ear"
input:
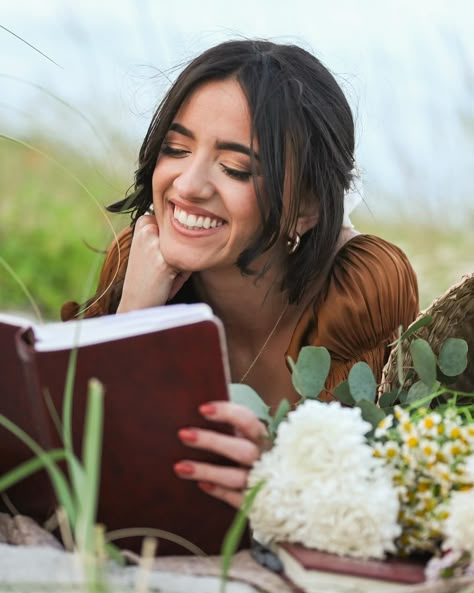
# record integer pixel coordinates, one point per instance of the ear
(306, 221)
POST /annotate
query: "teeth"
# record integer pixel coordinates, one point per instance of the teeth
(195, 222)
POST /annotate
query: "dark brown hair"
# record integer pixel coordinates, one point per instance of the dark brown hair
(305, 132)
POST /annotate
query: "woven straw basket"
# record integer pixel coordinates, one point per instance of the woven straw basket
(452, 317)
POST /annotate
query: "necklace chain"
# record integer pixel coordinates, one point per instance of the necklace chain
(272, 331)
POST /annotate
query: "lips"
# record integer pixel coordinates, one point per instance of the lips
(195, 221)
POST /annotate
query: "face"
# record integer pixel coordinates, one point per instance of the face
(203, 193)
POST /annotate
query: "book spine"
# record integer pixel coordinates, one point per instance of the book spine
(41, 421)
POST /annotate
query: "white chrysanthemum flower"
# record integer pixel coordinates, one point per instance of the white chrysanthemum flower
(469, 468)
(383, 426)
(323, 487)
(459, 526)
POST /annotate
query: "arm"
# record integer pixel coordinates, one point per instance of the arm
(149, 280)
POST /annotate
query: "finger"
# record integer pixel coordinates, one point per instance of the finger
(234, 498)
(240, 417)
(144, 220)
(237, 449)
(234, 478)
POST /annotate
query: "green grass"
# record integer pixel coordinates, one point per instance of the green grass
(50, 226)
(439, 254)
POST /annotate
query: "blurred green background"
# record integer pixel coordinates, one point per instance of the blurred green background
(53, 233)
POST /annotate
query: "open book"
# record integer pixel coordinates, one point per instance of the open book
(157, 365)
(312, 571)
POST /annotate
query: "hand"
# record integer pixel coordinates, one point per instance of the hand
(149, 280)
(251, 439)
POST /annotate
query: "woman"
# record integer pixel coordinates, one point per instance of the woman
(239, 203)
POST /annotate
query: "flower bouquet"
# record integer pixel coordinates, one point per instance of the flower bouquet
(381, 493)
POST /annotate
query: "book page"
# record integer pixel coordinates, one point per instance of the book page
(64, 335)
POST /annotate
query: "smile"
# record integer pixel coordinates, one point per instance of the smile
(192, 221)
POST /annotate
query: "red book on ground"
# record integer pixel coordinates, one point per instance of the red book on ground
(157, 365)
(312, 571)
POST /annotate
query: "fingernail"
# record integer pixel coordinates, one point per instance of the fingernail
(184, 468)
(188, 434)
(206, 486)
(207, 409)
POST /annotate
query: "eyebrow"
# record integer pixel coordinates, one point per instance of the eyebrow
(223, 145)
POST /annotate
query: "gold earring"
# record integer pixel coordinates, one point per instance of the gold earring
(293, 243)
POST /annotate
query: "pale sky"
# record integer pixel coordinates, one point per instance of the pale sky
(406, 66)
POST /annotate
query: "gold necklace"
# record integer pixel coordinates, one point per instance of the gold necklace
(272, 331)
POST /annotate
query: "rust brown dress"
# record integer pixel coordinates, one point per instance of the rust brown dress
(371, 291)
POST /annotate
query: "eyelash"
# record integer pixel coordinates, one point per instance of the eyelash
(233, 173)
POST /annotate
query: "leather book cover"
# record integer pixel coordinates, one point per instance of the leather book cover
(300, 562)
(15, 405)
(154, 383)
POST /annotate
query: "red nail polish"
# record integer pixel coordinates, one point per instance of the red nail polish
(188, 435)
(184, 468)
(207, 409)
(206, 486)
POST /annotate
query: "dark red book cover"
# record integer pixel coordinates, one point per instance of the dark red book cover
(396, 570)
(154, 383)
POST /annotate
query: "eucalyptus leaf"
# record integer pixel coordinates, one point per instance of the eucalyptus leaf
(422, 322)
(343, 394)
(452, 359)
(371, 412)
(282, 411)
(311, 371)
(248, 397)
(420, 390)
(402, 397)
(388, 399)
(424, 361)
(362, 382)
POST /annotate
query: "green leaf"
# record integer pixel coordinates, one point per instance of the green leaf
(362, 382)
(424, 361)
(388, 399)
(422, 322)
(235, 531)
(420, 390)
(402, 397)
(452, 359)
(282, 411)
(343, 394)
(370, 412)
(311, 371)
(248, 397)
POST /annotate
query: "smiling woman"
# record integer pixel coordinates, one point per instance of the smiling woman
(239, 203)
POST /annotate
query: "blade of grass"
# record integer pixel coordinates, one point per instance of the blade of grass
(91, 454)
(27, 468)
(32, 46)
(234, 534)
(60, 484)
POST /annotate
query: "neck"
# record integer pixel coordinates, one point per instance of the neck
(243, 303)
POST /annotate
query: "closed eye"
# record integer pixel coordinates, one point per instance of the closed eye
(236, 173)
(170, 151)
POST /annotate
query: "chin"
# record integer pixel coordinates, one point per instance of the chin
(182, 262)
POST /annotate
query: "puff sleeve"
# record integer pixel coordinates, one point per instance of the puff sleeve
(371, 291)
(107, 297)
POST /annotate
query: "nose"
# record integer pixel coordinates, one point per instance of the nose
(194, 181)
